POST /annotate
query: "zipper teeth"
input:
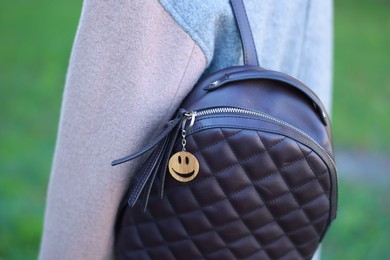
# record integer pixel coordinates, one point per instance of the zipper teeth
(219, 110)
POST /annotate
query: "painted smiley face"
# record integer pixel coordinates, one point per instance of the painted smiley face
(183, 166)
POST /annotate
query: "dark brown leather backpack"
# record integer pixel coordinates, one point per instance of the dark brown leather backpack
(244, 171)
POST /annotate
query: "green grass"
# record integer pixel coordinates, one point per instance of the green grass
(361, 228)
(35, 43)
(362, 74)
(36, 38)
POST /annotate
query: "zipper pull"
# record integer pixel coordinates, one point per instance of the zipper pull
(183, 166)
(191, 115)
(184, 129)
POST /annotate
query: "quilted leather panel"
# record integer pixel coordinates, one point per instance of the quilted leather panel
(258, 195)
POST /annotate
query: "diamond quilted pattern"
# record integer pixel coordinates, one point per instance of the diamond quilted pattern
(271, 187)
(245, 201)
(258, 195)
(236, 186)
(202, 226)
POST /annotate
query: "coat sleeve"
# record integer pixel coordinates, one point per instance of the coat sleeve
(131, 66)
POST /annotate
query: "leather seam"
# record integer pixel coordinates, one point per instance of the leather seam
(257, 229)
(323, 190)
(216, 143)
(262, 206)
(281, 175)
(224, 193)
(225, 169)
(251, 185)
(311, 168)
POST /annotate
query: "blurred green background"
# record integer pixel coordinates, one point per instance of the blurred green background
(35, 44)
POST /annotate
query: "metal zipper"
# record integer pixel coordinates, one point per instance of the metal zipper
(221, 110)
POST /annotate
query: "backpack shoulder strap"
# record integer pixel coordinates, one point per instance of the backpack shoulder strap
(248, 45)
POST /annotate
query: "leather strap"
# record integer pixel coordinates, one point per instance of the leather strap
(248, 45)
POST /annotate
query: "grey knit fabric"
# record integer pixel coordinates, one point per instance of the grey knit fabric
(294, 37)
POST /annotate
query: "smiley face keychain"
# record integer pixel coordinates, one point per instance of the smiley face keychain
(183, 165)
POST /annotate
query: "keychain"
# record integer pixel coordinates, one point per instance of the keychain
(183, 165)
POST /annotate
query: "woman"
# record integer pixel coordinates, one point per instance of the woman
(132, 64)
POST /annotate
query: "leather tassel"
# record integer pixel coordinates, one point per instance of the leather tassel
(167, 155)
(167, 130)
(146, 175)
(153, 173)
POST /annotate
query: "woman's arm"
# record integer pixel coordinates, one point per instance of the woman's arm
(130, 68)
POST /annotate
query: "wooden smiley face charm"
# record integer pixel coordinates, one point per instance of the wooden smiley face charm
(183, 166)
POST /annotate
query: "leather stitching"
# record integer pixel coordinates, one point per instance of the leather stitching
(230, 195)
(261, 179)
(257, 181)
(317, 177)
(293, 195)
(256, 230)
(232, 166)
(208, 166)
(248, 176)
(220, 141)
